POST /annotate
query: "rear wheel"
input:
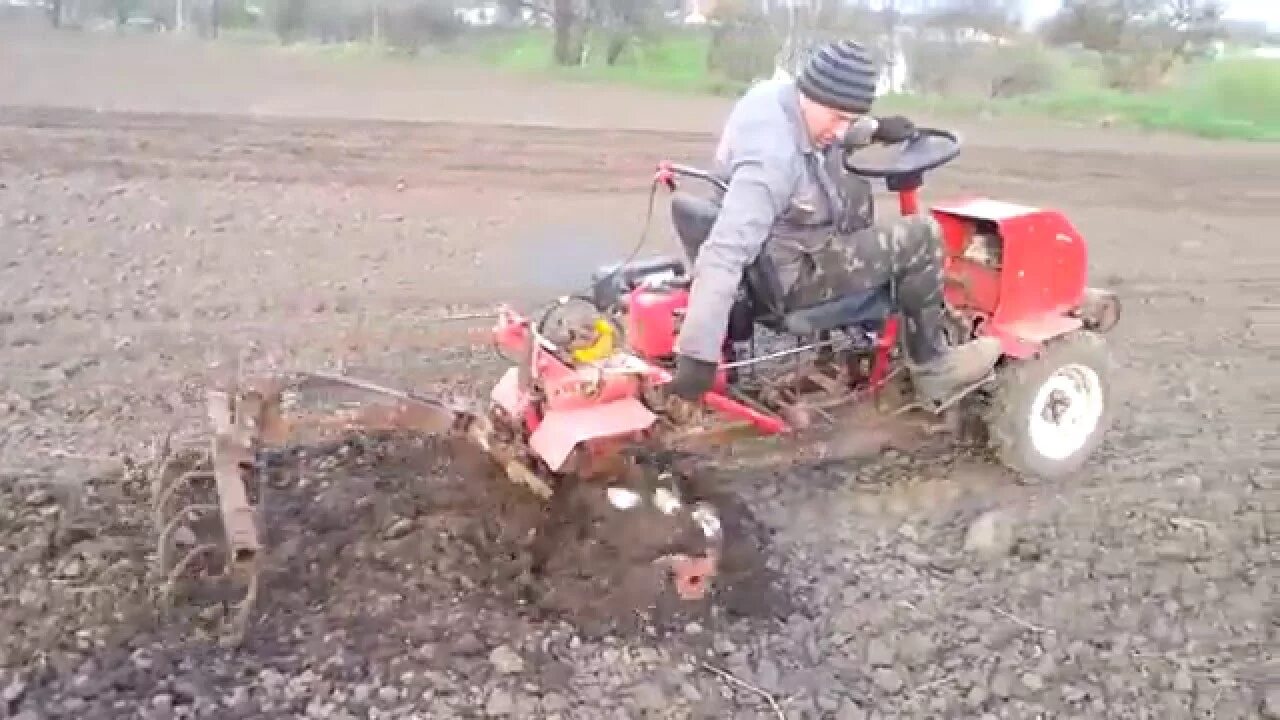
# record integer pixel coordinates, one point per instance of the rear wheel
(1050, 412)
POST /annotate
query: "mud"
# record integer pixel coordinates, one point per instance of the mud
(918, 582)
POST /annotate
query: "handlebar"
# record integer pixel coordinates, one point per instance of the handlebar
(667, 172)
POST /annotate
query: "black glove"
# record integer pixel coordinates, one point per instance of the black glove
(859, 134)
(693, 378)
(894, 129)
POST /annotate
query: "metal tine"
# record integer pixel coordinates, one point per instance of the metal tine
(239, 622)
(166, 534)
(162, 500)
(167, 588)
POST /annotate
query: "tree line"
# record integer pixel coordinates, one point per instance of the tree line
(1138, 41)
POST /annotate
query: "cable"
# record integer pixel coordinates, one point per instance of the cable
(644, 236)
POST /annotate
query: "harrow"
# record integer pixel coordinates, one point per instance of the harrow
(208, 493)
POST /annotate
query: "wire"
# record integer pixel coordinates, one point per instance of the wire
(644, 236)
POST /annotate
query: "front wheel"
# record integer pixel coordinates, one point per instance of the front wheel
(1049, 413)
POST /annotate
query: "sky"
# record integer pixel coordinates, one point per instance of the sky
(1265, 10)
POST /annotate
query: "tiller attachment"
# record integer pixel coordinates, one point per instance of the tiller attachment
(195, 482)
(694, 552)
(208, 493)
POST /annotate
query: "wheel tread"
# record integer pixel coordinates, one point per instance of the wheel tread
(1015, 384)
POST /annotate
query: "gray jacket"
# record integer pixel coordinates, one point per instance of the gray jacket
(785, 196)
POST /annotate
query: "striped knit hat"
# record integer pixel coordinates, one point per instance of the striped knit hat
(840, 75)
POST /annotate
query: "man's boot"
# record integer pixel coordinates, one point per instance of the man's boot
(939, 370)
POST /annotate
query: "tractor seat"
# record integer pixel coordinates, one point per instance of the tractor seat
(694, 217)
(856, 309)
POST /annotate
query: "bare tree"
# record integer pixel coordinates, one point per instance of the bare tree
(625, 23)
(1184, 28)
(1141, 40)
(994, 17)
(573, 23)
(953, 52)
(744, 41)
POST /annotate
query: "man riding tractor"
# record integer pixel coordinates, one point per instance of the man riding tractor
(790, 196)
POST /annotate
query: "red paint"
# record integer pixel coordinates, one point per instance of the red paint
(652, 322)
(909, 202)
(768, 424)
(665, 175)
(510, 332)
(1042, 273)
(764, 422)
(565, 428)
(1024, 339)
(581, 405)
(880, 366)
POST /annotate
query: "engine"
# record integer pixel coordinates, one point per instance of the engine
(650, 297)
(984, 247)
(653, 320)
(612, 283)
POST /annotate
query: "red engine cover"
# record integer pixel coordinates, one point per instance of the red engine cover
(653, 320)
(1041, 277)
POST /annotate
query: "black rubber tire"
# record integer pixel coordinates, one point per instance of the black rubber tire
(1016, 386)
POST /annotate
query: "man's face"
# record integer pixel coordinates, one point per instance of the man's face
(826, 125)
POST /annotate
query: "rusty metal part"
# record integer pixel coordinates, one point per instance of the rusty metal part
(480, 431)
(395, 409)
(1099, 309)
(692, 575)
(222, 467)
(208, 495)
(235, 440)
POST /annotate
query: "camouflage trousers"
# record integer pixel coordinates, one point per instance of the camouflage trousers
(906, 255)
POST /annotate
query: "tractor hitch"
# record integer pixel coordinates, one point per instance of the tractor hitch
(208, 492)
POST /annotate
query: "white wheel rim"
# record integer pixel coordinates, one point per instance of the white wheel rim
(1066, 411)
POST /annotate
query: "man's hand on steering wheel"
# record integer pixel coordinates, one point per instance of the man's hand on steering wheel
(868, 130)
(893, 129)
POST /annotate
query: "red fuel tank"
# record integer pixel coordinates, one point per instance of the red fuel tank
(653, 320)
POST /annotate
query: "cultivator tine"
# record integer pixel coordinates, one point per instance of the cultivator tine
(163, 486)
(224, 466)
(171, 528)
(179, 568)
(192, 483)
(165, 494)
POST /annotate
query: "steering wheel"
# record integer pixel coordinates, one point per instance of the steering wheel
(927, 149)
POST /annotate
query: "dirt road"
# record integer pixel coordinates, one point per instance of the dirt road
(135, 247)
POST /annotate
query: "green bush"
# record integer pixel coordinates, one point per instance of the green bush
(1235, 97)
(742, 45)
(1243, 88)
(1216, 99)
(1022, 70)
(980, 70)
(408, 28)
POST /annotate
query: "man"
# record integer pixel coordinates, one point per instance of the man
(790, 196)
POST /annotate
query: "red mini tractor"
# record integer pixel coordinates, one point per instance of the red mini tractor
(584, 398)
(585, 384)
